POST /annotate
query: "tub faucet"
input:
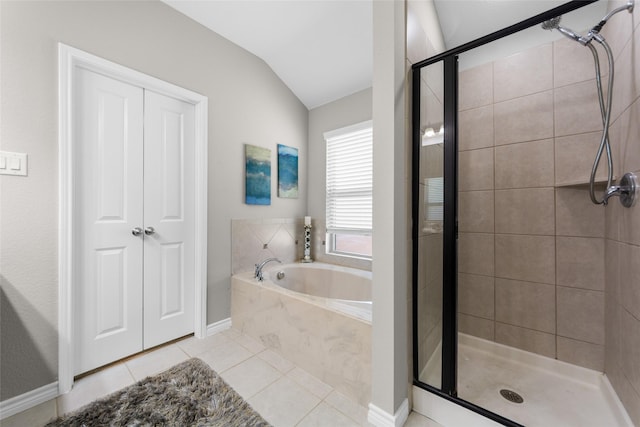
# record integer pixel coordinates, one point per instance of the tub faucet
(258, 271)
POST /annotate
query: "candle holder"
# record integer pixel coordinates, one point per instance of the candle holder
(307, 244)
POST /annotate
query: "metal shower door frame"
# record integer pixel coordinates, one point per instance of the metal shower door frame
(449, 58)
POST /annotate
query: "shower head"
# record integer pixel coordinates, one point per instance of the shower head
(552, 23)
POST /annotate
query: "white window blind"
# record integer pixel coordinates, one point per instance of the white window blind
(350, 179)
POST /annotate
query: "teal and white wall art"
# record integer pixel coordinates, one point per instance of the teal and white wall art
(287, 172)
(257, 175)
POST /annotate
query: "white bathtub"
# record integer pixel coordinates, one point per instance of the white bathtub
(340, 288)
(317, 315)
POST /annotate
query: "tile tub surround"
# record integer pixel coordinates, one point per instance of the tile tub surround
(334, 347)
(253, 240)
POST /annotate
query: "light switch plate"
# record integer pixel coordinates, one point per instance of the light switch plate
(13, 163)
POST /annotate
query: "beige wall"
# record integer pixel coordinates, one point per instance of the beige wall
(622, 243)
(247, 104)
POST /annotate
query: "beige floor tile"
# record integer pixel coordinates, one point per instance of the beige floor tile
(324, 415)
(226, 356)
(417, 420)
(194, 346)
(250, 343)
(309, 382)
(284, 403)
(277, 361)
(250, 376)
(156, 361)
(37, 416)
(348, 407)
(95, 386)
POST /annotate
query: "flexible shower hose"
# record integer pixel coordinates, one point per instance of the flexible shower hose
(605, 112)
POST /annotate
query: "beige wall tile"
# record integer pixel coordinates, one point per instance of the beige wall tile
(572, 63)
(527, 258)
(576, 215)
(526, 304)
(526, 339)
(629, 397)
(475, 211)
(580, 262)
(627, 139)
(475, 87)
(625, 90)
(523, 73)
(525, 211)
(577, 109)
(613, 221)
(629, 285)
(574, 156)
(619, 34)
(475, 128)
(476, 326)
(614, 334)
(475, 253)
(581, 314)
(430, 266)
(528, 118)
(475, 170)
(476, 295)
(630, 225)
(581, 353)
(631, 348)
(527, 164)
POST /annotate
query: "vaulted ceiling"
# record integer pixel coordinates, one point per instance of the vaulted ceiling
(323, 49)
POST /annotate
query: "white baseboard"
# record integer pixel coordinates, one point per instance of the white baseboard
(218, 326)
(28, 400)
(381, 418)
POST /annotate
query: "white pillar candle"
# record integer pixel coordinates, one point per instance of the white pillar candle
(307, 220)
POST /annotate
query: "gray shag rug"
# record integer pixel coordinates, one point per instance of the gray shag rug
(189, 394)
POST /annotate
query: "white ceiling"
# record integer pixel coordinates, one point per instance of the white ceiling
(323, 49)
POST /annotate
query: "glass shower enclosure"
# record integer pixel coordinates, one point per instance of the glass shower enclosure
(442, 191)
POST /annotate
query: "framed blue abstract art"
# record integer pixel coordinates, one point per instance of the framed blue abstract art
(287, 172)
(257, 175)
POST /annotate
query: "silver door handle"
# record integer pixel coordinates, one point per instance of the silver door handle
(136, 231)
(149, 231)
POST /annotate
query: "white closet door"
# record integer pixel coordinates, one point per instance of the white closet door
(108, 139)
(169, 165)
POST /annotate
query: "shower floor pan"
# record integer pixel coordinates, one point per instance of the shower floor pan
(553, 393)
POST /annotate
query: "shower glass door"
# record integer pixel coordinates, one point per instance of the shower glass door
(429, 226)
(434, 239)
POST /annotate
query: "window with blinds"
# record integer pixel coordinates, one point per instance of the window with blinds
(349, 203)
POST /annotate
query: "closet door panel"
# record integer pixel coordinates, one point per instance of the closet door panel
(169, 216)
(108, 138)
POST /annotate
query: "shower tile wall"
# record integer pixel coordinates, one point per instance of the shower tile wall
(531, 244)
(622, 244)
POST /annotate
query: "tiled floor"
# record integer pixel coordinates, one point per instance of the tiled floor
(282, 393)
